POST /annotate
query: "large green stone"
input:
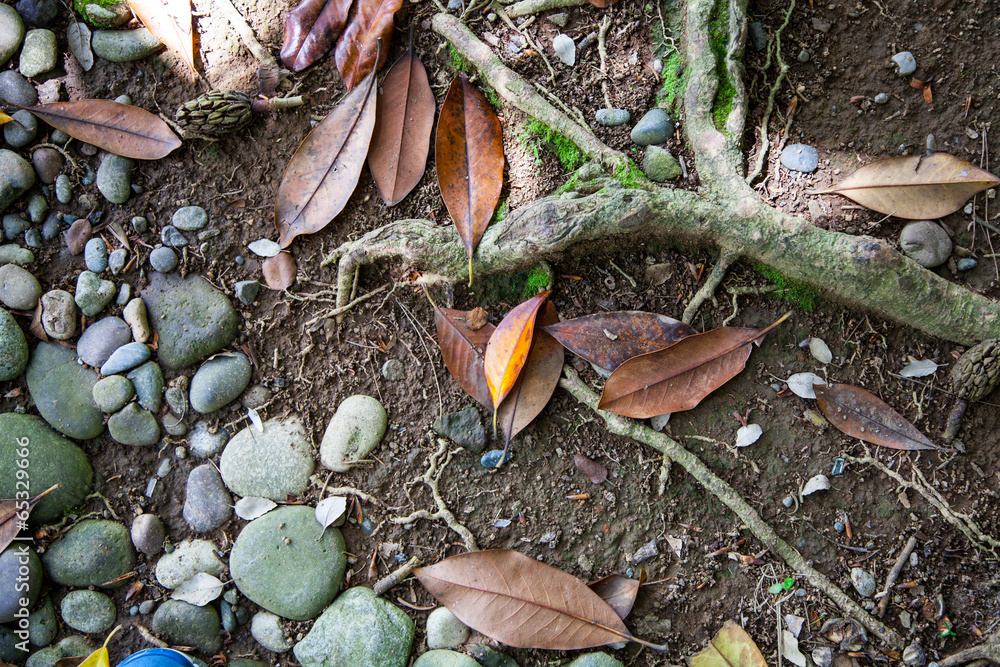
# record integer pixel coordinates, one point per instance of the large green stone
(63, 391)
(52, 459)
(280, 562)
(192, 318)
(91, 553)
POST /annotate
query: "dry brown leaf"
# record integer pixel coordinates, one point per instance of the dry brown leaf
(358, 50)
(610, 339)
(117, 128)
(522, 602)
(279, 271)
(468, 156)
(170, 22)
(915, 188)
(310, 30)
(462, 348)
(325, 168)
(861, 414)
(677, 378)
(508, 349)
(538, 379)
(618, 591)
(403, 123)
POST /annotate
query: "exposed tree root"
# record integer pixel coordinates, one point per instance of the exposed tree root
(707, 290)
(725, 493)
(988, 650)
(726, 213)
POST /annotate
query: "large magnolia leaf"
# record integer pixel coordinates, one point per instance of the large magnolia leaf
(508, 349)
(915, 188)
(462, 348)
(861, 414)
(310, 30)
(403, 125)
(326, 166)
(170, 22)
(678, 377)
(358, 50)
(731, 647)
(117, 128)
(468, 156)
(522, 602)
(610, 339)
(538, 379)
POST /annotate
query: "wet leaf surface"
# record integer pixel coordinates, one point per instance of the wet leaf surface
(679, 377)
(403, 124)
(170, 22)
(311, 29)
(915, 188)
(538, 379)
(357, 49)
(731, 647)
(117, 128)
(863, 415)
(468, 156)
(594, 471)
(463, 348)
(326, 166)
(610, 339)
(522, 602)
(508, 348)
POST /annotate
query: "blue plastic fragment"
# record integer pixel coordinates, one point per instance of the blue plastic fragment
(838, 468)
(494, 458)
(157, 657)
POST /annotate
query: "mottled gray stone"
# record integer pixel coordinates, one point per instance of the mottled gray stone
(354, 431)
(653, 128)
(219, 382)
(12, 254)
(91, 553)
(13, 597)
(906, 64)
(192, 318)
(596, 660)
(444, 630)
(148, 533)
(64, 190)
(266, 629)
(11, 32)
(207, 504)
(148, 382)
(926, 243)
(114, 178)
(171, 236)
(18, 288)
(205, 444)
(16, 176)
(246, 291)
(190, 218)
(187, 625)
(117, 260)
(15, 88)
(91, 612)
(125, 358)
(112, 393)
(444, 658)
(38, 53)
(800, 157)
(123, 45)
(659, 165)
(59, 314)
(42, 623)
(23, 132)
(358, 628)
(273, 464)
(612, 117)
(134, 426)
(464, 428)
(63, 391)
(186, 560)
(281, 562)
(95, 255)
(93, 293)
(101, 339)
(163, 259)
(13, 347)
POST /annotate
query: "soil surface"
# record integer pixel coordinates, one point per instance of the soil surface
(689, 594)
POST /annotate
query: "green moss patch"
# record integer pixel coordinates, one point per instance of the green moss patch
(537, 135)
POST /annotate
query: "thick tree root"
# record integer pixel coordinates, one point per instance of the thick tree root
(725, 493)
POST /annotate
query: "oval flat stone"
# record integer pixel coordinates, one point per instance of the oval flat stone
(63, 391)
(612, 117)
(16, 177)
(59, 314)
(359, 628)
(114, 178)
(219, 382)
(354, 431)
(134, 426)
(188, 559)
(101, 339)
(192, 318)
(444, 658)
(800, 157)
(190, 218)
(52, 459)
(126, 358)
(652, 128)
(91, 553)
(207, 504)
(18, 288)
(13, 579)
(148, 533)
(272, 464)
(124, 45)
(280, 562)
(11, 32)
(91, 612)
(13, 347)
(187, 625)
(112, 393)
(148, 382)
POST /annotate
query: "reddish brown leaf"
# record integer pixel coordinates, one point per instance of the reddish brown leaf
(678, 377)
(610, 339)
(593, 470)
(279, 271)
(522, 602)
(508, 348)
(468, 155)
(357, 49)
(170, 22)
(14, 515)
(36, 328)
(861, 414)
(117, 128)
(538, 379)
(403, 125)
(310, 30)
(618, 591)
(326, 166)
(603, 4)
(462, 348)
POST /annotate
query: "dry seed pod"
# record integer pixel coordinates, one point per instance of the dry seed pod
(973, 377)
(215, 113)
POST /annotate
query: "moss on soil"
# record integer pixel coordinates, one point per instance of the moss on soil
(790, 291)
(537, 135)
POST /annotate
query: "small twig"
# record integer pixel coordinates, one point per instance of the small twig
(351, 491)
(149, 636)
(346, 307)
(602, 49)
(707, 290)
(782, 71)
(502, 13)
(897, 567)
(395, 577)
(526, 7)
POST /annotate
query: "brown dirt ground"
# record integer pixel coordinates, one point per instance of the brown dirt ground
(310, 372)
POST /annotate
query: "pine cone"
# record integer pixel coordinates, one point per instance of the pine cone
(977, 372)
(215, 113)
